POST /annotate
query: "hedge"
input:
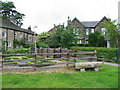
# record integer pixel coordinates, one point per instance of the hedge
(109, 54)
(18, 51)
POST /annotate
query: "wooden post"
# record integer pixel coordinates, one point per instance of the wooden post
(47, 52)
(75, 55)
(35, 61)
(75, 59)
(67, 65)
(54, 52)
(60, 53)
(95, 55)
(42, 51)
(1, 65)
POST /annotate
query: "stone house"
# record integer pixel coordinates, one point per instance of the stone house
(86, 27)
(9, 32)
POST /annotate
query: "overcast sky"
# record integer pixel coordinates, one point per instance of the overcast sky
(45, 13)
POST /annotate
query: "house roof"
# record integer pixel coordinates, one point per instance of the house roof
(9, 25)
(90, 23)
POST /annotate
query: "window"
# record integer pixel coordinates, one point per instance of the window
(92, 30)
(86, 41)
(30, 38)
(76, 31)
(87, 31)
(9, 44)
(21, 35)
(4, 34)
(103, 31)
(15, 33)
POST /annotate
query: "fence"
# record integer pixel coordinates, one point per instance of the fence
(56, 53)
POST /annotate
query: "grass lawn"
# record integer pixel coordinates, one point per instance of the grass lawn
(106, 78)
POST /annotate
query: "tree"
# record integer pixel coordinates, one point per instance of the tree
(64, 37)
(45, 37)
(8, 12)
(113, 32)
(101, 42)
(96, 40)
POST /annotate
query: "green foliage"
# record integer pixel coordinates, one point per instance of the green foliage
(24, 57)
(3, 46)
(107, 53)
(101, 42)
(45, 37)
(63, 37)
(11, 58)
(83, 44)
(9, 12)
(15, 43)
(42, 45)
(18, 51)
(40, 57)
(112, 32)
(96, 40)
(23, 42)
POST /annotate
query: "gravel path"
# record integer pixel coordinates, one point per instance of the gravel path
(113, 64)
(52, 67)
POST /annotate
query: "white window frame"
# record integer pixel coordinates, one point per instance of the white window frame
(92, 30)
(16, 33)
(21, 35)
(30, 38)
(8, 44)
(103, 31)
(87, 31)
(76, 31)
(4, 34)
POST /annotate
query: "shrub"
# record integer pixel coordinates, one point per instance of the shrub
(83, 44)
(24, 57)
(18, 51)
(109, 54)
(43, 45)
(11, 58)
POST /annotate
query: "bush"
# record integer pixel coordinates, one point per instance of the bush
(42, 45)
(83, 44)
(109, 54)
(24, 57)
(18, 51)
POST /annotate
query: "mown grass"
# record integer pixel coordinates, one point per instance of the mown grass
(106, 78)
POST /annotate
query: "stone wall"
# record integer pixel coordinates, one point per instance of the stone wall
(13, 34)
(99, 26)
(10, 38)
(81, 28)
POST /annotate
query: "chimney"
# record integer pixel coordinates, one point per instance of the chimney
(109, 19)
(68, 21)
(29, 28)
